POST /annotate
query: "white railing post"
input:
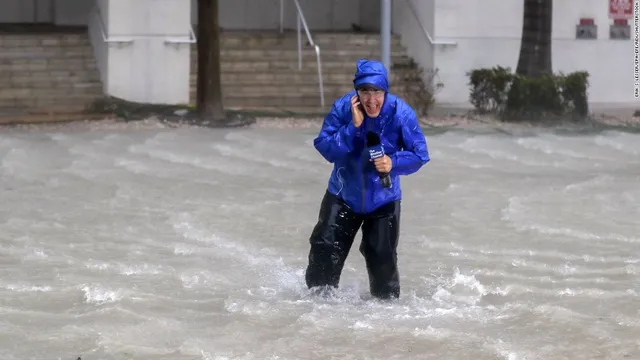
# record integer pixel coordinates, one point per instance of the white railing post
(299, 42)
(281, 16)
(303, 22)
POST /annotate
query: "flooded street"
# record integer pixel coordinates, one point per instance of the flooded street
(191, 244)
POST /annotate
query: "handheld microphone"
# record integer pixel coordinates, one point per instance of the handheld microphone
(376, 151)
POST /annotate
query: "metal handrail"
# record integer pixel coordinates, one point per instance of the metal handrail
(180, 40)
(424, 29)
(300, 19)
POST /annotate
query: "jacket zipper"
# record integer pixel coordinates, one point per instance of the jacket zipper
(364, 192)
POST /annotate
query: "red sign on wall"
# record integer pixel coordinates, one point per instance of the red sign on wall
(620, 9)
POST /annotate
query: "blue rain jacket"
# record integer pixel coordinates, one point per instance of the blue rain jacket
(354, 178)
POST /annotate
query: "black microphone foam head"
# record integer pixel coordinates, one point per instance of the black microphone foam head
(372, 139)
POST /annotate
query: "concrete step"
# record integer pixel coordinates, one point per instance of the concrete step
(76, 97)
(262, 71)
(242, 101)
(297, 77)
(311, 87)
(40, 53)
(60, 91)
(307, 53)
(48, 71)
(291, 64)
(298, 90)
(307, 60)
(48, 115)
(57, 82)
(58, 71)
(51, 40)
(305, 45)
(227, 40)
(329, 40)
(288, 65)
(42, 68)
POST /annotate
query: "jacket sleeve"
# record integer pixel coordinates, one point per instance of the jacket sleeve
(336, 138)
(415, 152)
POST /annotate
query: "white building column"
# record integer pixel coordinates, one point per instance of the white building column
(385, 33)
(143, 49)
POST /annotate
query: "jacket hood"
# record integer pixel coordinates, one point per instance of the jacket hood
(371, 72)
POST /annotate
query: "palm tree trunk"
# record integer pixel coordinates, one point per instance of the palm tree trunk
(209, 89)
(535, 48)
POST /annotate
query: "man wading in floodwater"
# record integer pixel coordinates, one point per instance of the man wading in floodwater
(356, 195)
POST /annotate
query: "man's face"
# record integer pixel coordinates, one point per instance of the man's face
(371, 100)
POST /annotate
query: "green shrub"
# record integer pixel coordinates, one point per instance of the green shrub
(499, 91)
(489, 88)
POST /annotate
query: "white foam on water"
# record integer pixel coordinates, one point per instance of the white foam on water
(502, 251)
(483, 146)
(621, 142)
(256, 154)
(597, 181)
(576, 150)
(127, 269)
(99, 295)
(524, 218)
(207, 164)
(162, 147)
(25, 288)
(268, 267)
(506, 351)
(277, 150)
(573, 233)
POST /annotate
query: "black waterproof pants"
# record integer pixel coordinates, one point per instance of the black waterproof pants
(334, 234)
